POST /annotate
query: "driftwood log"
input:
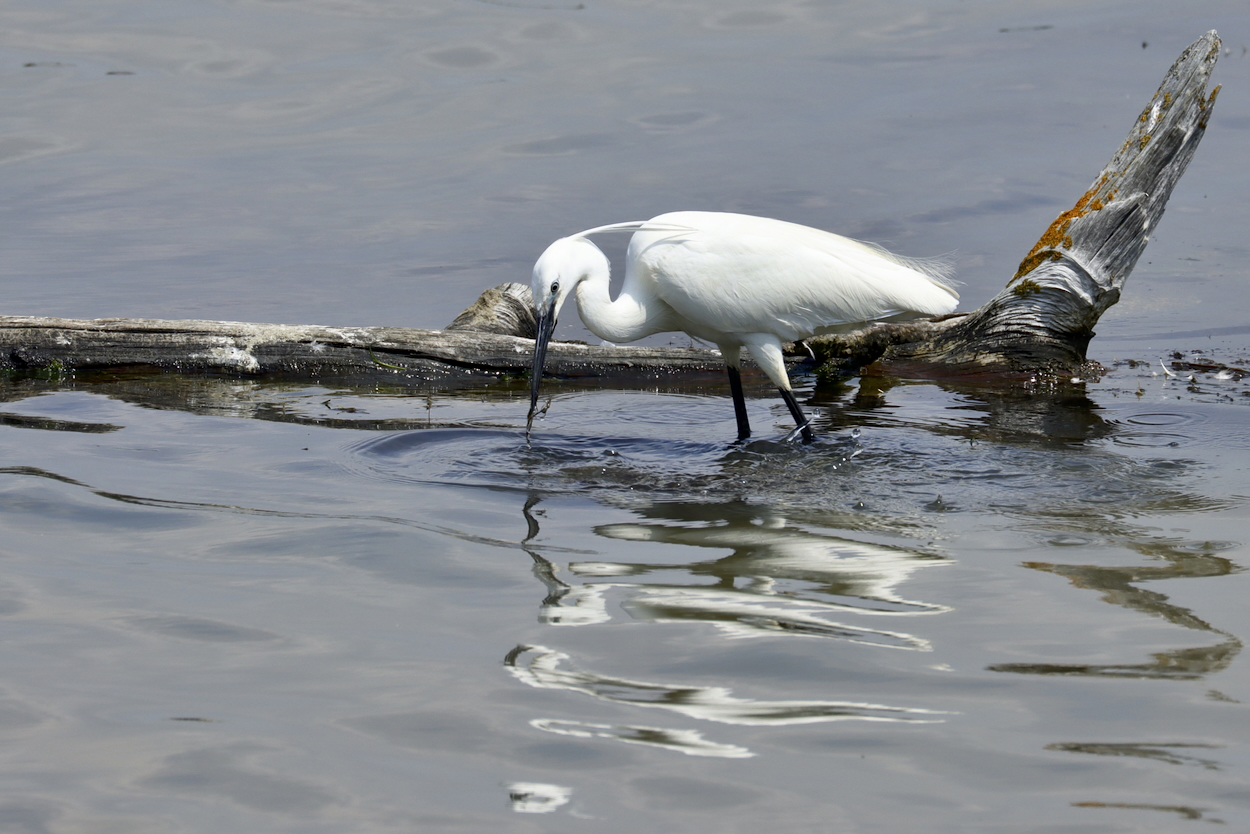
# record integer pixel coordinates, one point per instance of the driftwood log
(1044, 318)
(1042, 321)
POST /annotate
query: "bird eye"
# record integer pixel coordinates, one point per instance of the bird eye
(555, 287)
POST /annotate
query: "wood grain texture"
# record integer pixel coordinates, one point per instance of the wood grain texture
(310, 351)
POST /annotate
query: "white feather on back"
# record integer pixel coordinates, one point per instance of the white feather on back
(735, 274)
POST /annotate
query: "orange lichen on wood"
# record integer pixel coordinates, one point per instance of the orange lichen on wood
(1098, 203)
(1057, 237)
(1205, 107)
(1031, 262)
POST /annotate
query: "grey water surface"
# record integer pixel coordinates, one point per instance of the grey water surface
(230, 604)
(264, 607)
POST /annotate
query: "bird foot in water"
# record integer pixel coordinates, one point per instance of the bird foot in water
(805, 429)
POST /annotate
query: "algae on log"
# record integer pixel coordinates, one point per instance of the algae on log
(1043, 319)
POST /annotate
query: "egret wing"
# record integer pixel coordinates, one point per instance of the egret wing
(735, 274)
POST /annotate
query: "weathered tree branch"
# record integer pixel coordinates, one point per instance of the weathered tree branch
(392, 354)
(1043, 319)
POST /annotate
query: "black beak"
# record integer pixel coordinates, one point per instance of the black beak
(542, 335)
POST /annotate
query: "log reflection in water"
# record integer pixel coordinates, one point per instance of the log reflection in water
(1117, 585)
(1028, 414)
(1143, 750)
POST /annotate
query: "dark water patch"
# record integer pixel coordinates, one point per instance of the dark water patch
(464, 57)
(228, 773)
(535, 4)
(30, 816)
(18, 715)
(683, 120)
(26, 421)
(195, 628)
(13, 148)
(751, 18)
(430, 729)
(550, 30)
(700, 795)
(1013, 204)
(561, 145)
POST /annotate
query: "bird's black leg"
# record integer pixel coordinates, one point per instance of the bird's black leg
(740, 403)
(800, 420)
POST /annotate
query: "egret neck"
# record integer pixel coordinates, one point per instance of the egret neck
(623, 320)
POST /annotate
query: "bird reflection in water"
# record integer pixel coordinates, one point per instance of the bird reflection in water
(537, 797)
(545, 668)
(778, 580)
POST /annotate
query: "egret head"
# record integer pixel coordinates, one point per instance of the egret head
(565, 264)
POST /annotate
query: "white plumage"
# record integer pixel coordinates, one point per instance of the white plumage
(736, 281)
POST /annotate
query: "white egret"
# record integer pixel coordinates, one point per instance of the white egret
(736, 281)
